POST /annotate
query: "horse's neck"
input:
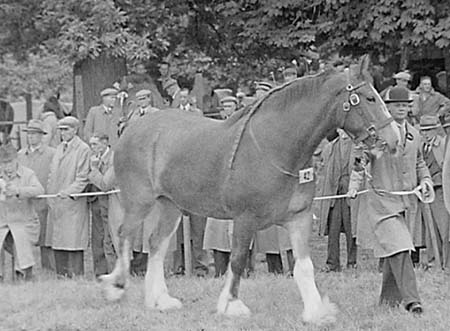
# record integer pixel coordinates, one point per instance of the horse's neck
(291, 135)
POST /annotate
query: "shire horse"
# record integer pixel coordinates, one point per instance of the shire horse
(254, 168)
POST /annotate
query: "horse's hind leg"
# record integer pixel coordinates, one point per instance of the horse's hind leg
(229, 304)
(116, 282)
(166, 218)
(316, 309)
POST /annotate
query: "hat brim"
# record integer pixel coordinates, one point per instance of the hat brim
(64, 126)
(429, 127)
(392, 101)
(34, 130)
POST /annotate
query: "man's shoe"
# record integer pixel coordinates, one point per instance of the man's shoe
(415, 308)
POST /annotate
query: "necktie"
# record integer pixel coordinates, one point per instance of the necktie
(65, 145)
(402, 134)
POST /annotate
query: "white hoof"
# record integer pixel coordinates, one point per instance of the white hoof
(235, 308)
(166, 302)
(112, 291)
(322, 314)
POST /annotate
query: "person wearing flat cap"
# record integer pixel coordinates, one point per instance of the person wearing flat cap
(427, 101)
(37, 156)
(229, 106)
(402, 79)
(391, 225)
(433, 154)
(19, 222)
(289, 74)
(104, 118)
(143, 106)
(68, 217)
(262, 88)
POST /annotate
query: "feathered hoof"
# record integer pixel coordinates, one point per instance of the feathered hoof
(113, 291)
(235, 308)
(323, 314)
(166, 302)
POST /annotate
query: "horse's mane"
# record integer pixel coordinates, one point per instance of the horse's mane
(307, 86)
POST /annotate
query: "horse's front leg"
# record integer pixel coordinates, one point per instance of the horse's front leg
(317, 310)
(229, 304)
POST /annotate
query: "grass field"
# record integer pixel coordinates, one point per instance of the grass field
(51, 304)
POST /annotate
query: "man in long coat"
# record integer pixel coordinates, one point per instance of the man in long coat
(19, 222)
(433, 153)
(37, 156)
(335, 215)
(385, 222)
(68, 218)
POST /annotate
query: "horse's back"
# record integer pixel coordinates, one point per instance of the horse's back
(178, 153)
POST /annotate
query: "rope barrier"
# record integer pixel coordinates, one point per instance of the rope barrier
(77, 195)
(417, 191)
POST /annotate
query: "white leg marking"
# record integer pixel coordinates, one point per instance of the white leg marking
(110, 282)
(226, 304)
(317, 310)
(156, 293)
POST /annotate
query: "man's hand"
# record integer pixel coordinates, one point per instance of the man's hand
(11, 190)
(426, 187)
(352, 193)
(62, 195)
(94, 161)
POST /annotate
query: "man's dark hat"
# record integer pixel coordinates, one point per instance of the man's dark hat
(398, 94)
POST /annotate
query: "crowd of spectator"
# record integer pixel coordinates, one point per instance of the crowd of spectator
(65, 157)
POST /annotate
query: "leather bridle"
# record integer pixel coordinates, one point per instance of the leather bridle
(372, 129)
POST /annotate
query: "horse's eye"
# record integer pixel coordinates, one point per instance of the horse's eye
(371, 99)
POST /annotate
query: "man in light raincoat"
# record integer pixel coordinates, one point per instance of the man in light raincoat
(19, 222)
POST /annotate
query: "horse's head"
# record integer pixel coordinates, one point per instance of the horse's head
(365, 116)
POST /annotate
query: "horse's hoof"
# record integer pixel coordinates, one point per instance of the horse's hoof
(113, 292)
(324, 314)
(166, 302)
(236, 308)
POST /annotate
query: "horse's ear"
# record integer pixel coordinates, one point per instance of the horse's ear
(364, 68)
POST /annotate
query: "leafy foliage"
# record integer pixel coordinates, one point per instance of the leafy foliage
(41, 75)
(232, 40)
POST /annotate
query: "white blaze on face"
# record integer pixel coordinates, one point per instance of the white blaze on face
(385, 110)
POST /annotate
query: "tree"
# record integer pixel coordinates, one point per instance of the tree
(232, 41)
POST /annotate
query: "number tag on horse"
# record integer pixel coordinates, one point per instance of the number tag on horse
(306, 175)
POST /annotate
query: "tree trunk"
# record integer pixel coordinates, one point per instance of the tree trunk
(404, 58)
(91, 76)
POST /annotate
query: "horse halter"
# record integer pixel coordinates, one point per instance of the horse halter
(372, 129)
